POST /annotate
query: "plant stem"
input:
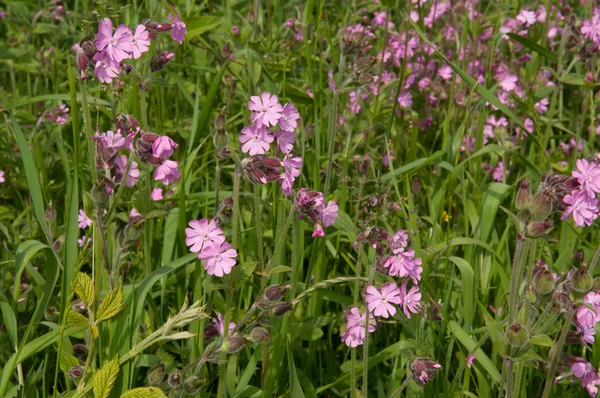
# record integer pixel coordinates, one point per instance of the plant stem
(87, 120)
(594, 262)
(402, 387)
(556, 349)
(281, 240)
(366, 343)
(259, 243)
(332, 122)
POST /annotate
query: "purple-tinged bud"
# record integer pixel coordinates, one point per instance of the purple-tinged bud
(538, 229)
(573, 337)
(75, 372)
(50, 314)
(80, 350)
(434, 311)
(225, 211)
(260, 169)
(275, 292)
(175, 380)
(50, 213)
(517, 335)
(88, 47)
(101, 192)
(224, 153)
(160, 61)
(423, 369)
(581, 281)
(233, 344)
(220, 138)
(281, 308)
(540, 207)
(210, 331)
(523, 195)
(82, 62)
(193, 385)
(259, 335)
(543, 280)
(127, 68)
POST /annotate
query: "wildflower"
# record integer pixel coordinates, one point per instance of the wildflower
(404, 264)
(509, 82)
(260, 169)
(541, 107)
(354, 335)
(163, 147)
(470, 359)
(203, 233)
(2, 178)
(291, 167)
(219, 258)
(583, 370)
(266, 108)
(134, 171)
(179, 29)
(318, 232)
(289, 118)
(399, 241)
(285, 140)
(140, 41)
(156, 194)
(423, 369)
(409, 301)
(329, 213)
(235, 30)
(57, 115)
(385, 159)
(405, 99)
(590, 29)
(583, 208)
(160, 61)
(135, 216)
(167, 172)
(219, 324)
(83, 221)
(83, 241)
(117, 46)
(588, 175)
(106, 68)
(526, 17)
(498, 172)
(380, 303)
(111, 142)
(445, 72)
(256, 140)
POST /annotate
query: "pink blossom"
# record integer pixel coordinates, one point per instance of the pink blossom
(470, 359)
(203, 233)
(81, 242)
(499, 172)
(329, 213)
(409, 301)
(354, 335)
(399, 241)
(106, 68)
(2, 179)
(380, 303)
(117, 46)
(404, 264)
(156, 194)
(220, 325)
(112, 142)
(285, 140)
(405, 99)
(583, 370)
(134, 171)
(583, 208)
(445, 72)
(256, 140)
(291, 167)
(318, 232)
(526, 17)
(163, 147)
(140, 41)
(509, 82)
(267, 109)
(591, 29)
(83, 221)
(167, 172)
(542, 106)
(289, 118)
(235, 30)
(588, 175)
(178, 32)
(220, 258)
(134, 215)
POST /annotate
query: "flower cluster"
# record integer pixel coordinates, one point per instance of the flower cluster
(587, 316)
(582, 369)
(582, 203)
(311, 205)
(271, 122)
(206, 238)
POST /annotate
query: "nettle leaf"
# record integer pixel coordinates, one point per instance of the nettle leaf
(111, 305)
(84, 288)
(144, 392)
(76, 320)
(105, 378)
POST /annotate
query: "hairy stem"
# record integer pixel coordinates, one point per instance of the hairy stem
(366, 343)
(556, 349)
(89, 136)
(332, 122)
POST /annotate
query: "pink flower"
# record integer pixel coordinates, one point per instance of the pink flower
(140, 41)
(399, 241)
(106, 68)
(134, 215)
(167, 172)
(266, 108)
(285, 140)
(235, 30)
(203, 233)
(404, 264)
(83, 221)
(583, 208)
(509, 82)
(409, 301)
(380, 303)
(329, 213)
(583, 370)
(498, 172)
(83, 241)
(588, 175)
(256, 140)
(219, 258)
(178, 32)
(405, 99)
(526, 17)
(445, 72)
(591, 29)
(112, 142)
(156, 194)
(318, 232)
(117, 46)
(354, 335)
(470, 359)
(2, 179)
(291, 167)
(542, 106)
(134, 171)
(221, 326)
(289, 118)
(163, 147)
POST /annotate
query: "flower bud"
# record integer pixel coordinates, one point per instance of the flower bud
(175, 380)
(101, 192)
(259, 335)
(160, 61)
(50, 314)
(210, 331)
(423, 369)
(80, 350)
(540, 207)
(581, 281)
(523, 195)
(260, 169)
(281, 308)
(274, 292)
(156, 375)
(75, 372)
(543, 281)
(50, 213)
(233, 344)
(225, 211)
(538, 229)
(220, 138)
(193, 384)
(517, 335)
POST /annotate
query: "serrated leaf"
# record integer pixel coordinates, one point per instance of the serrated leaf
(67, 361)
(144, 392)
(111, 305)
(84, 288)
(76, 320)
(105, 378)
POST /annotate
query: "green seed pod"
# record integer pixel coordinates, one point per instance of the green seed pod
(156, 375)
(259, 335)
(193, 384)
(523, 196)
(543, 281)
(581, 281)
(540, 207)
(233, 344)
(517, 335)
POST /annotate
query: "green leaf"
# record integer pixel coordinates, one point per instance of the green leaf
(295, 387)
(111, 305)
(105, 378)
(541, 339)
(84, 288)
(533, 46)
(468, 301)
(200, 25)
(413, 166)
(496, 334)
(493, 197)
(573, 79)
(280, 268)
(144, 392)
(25, 252)
(76, 320)
(10, 321)
(67, 361)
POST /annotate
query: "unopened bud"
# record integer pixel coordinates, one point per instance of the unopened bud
(75, 372)
(210, 331)
(175, 380)
(160, 61)
(233, 344)
(517, 335)
(581, 281)
(225, 211)
(423, 369)
(540, 207)
(50, 213)
(536, 229)
(259, 335)
(156, 375)
(50, 314)
(274, 292)
(80, 350)
(194, 384)
(543, 281)
(523, 196)
(281, 308)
